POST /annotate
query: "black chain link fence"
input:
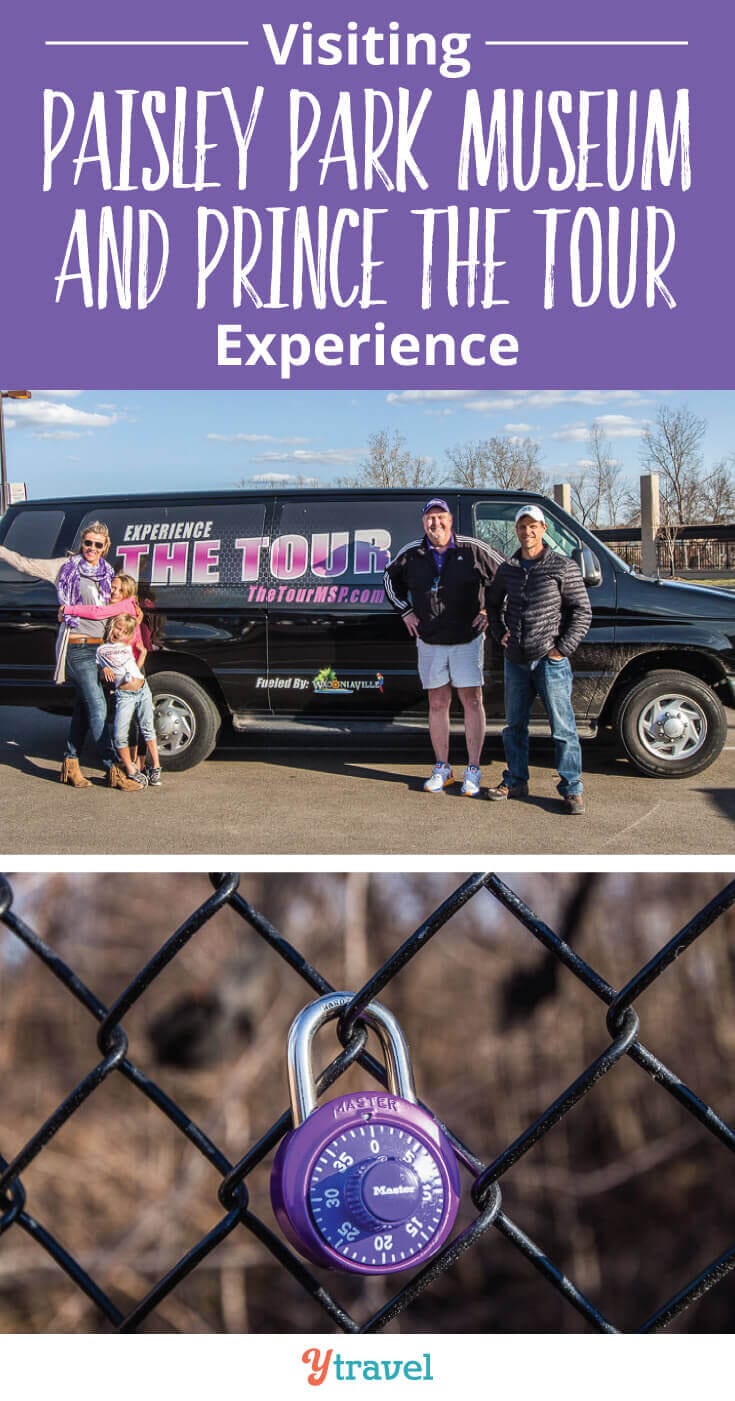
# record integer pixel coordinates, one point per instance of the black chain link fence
(622, 1008)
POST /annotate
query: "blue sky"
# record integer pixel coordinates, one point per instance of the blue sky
(77, 442)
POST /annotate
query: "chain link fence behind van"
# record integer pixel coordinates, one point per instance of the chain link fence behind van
(621, 1011)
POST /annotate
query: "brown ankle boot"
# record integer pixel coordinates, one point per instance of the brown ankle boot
(71, 773)
(117, 778)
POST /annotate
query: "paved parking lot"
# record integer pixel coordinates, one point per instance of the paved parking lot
(259, 796)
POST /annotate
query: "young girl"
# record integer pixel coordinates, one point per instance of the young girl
(122, 600)
(132, 699)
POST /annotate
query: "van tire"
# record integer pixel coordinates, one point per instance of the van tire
(187, 720)
(671, 724)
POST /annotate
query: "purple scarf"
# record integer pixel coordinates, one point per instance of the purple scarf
(68, 585)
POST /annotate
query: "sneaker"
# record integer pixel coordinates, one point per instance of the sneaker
(504, 791)
(137, 777)
(573, 804)
(441, 775)
(471, 782)
(129, 783)
(153, 776)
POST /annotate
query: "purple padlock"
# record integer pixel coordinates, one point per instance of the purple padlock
(367, 1182)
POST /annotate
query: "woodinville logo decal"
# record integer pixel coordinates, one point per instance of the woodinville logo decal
(326, 682)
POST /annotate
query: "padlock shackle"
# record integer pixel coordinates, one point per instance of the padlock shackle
(304, 1027)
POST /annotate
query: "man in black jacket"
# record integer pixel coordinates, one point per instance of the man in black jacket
(437, 584)
(539, 612)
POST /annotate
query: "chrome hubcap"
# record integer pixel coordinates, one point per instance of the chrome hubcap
(672, 727)
(175, 724)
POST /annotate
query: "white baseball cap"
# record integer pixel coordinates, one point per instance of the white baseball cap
(534, 512)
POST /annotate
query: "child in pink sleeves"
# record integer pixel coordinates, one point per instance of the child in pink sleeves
(133, 699)
(122, 600)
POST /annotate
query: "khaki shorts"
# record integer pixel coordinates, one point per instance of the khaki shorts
(460, 665)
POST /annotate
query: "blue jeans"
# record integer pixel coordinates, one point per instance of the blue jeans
(129, 704)
(552, 682)
(90, 704)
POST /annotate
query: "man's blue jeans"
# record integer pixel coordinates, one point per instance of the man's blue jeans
(552, 682)
(90, 704)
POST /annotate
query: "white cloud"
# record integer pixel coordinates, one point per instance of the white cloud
(555, 398)
(329, 457)
(572, 433)
(58, 393)
(612, 426)
(618, 425)
(518, 428)
(428, 396)
(45, 415)
(588, 397)
(491, 405)
(479, 401)
(253, 438)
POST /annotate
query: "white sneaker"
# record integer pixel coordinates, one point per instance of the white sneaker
(441, 775)
(471, 782)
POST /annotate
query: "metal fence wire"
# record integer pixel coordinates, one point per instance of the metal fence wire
(622, 1028)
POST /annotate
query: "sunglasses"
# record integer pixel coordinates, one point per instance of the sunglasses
(94, 544)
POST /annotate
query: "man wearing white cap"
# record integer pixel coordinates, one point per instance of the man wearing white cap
(437, 585)
(539, 611)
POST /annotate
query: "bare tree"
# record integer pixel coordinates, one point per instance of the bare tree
(601, 494)
(390, 463)
(718, 493)
(509, 463)
(673, 448)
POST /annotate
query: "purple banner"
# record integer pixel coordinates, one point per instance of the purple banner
(405, 196)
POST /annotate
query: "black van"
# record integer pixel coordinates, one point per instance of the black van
(275, 614)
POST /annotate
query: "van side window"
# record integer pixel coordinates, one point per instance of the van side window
(494, 522)
(338, 547)
(192, 552)
(32, 533)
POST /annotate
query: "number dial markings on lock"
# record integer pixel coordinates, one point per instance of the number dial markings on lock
(376, 1194)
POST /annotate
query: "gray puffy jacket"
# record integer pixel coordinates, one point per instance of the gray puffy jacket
(541, 607)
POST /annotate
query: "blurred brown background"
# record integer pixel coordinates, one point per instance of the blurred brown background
(628, 1195)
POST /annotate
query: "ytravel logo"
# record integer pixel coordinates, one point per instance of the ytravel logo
(328, 1365)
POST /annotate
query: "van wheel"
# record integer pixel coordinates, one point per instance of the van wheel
(671, 724)
(187, 720)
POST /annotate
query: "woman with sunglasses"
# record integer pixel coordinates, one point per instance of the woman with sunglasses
(82, 577)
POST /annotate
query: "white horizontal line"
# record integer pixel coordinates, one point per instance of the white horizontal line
(243, 43)
(587, 43)
(145, 43)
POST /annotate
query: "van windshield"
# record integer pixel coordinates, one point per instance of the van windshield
(34, 533)
(494, 522)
